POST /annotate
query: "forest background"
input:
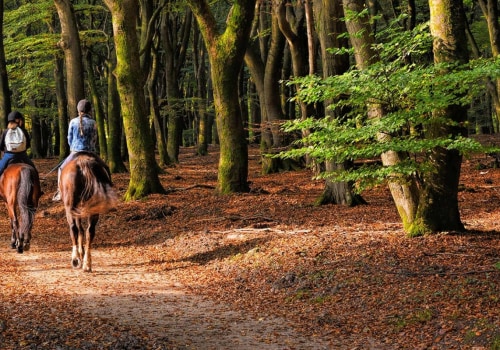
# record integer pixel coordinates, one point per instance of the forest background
(376, 93)
(405, 82)
(401, 83)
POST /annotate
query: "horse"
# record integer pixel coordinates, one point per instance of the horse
(86, 192)
(20, 189)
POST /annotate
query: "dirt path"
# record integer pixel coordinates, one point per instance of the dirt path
(138, 309)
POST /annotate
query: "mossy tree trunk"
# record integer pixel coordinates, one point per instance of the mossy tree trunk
(175, 39)
(226, 52)
(144, 178)
(405, 192)
(98, 109)
(200, 71)
(115, 161)
(429, 205)
(438, 208)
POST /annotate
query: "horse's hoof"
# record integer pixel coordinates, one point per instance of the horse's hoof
(76, 263)
(13, 245)
(20, 249)
(26, 247)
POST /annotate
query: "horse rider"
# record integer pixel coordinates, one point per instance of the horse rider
(15, 120)
(82, 136)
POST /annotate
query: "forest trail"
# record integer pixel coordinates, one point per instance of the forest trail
(154, 312)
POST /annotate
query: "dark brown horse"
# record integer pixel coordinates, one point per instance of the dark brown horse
(86, 191)
(20, 190)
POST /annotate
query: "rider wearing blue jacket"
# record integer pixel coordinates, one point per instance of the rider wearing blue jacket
(82, 136)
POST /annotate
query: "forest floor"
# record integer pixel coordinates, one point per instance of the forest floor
(261, 270)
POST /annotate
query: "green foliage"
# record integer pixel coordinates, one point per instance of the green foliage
(31, 36)
(30, 50)
(409, 90)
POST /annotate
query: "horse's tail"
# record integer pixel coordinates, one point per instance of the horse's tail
(97, 195)
(28, 194)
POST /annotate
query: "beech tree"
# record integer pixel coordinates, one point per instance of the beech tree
(330, 30)
(4, 79)
(226, 51)
(438, 205)
(415, 125)
(175, 29)
(264, 59)
(70, 45)
(490, 11)
(144, 178)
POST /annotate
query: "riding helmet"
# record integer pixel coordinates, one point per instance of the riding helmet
(14, 115)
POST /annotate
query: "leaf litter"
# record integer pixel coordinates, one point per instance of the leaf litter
(260, 270)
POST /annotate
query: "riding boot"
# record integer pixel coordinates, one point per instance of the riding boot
(56, 197)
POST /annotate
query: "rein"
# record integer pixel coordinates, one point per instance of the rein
(54, 168)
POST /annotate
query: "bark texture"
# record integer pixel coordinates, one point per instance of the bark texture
(5, 103)
(405, 191)
(438, 208)
(226, 51)
(329, 27)
(144, 178)
(70, 44)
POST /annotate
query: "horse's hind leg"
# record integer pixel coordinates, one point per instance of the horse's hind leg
(89, 237)
(74, 233)
(17, 238)
(27, 216)
(14, 240)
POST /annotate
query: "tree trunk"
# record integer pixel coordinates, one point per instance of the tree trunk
(70, 44)
(155, 110)
(144, 178)
(175, 42)
(291, 24)
(490, 12)
(5, 103)
(438, 208)
(115, 161)
(405, 191)
(328, 14)
(226, 52)
(98, 110)
(36, 133)
(61, 145)
(273, 116)
(199, 53)
(267, 75)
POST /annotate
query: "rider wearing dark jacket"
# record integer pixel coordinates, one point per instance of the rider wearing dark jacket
(14, 120)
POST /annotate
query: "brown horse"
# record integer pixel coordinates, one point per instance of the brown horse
(86, 191)
(20, 190)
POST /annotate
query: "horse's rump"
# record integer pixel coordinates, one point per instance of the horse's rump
(86, 186)
(20, 189)
(21, 180)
